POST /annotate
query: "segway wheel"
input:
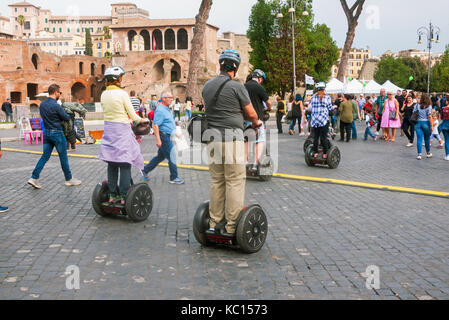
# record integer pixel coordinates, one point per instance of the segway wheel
(139, 202)
(309, 156)
(201, 223)
(252, 229)
(307, 143)
(333, 158)
(266, 169)
(99, 196)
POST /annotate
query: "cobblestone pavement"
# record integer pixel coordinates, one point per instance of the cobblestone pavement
(321, 237)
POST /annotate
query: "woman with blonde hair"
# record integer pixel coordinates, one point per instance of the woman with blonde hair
(390, 117)
(119, 147)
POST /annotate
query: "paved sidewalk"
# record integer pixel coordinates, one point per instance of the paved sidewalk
(321, 237)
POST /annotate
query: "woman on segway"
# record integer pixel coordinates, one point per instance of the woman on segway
(119, 147)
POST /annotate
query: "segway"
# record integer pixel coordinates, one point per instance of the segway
(309, 141)
(332, 160)
(265, 168)
(138, 202)
(250, 235)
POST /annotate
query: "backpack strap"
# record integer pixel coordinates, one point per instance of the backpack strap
(220, 89)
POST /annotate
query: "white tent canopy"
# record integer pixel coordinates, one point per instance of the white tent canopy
(354, 87)
(390, 87)
(372, 88)
(334, 86)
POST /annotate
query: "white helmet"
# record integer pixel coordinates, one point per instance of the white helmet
(113, 73)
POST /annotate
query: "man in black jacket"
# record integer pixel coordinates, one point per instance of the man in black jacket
(7, 109)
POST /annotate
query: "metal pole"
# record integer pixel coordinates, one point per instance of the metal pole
(294, 51)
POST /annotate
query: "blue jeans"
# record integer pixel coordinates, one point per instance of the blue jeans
(189, 114)
(52, 139)
(354, 130)
(125, 178)
(446, 141)
(166, 151)
(369, 133)
(422, 129)
(177, 113)
(8, 116)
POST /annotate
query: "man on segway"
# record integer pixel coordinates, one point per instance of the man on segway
(321, 105)
(258, 96)
(227, 104)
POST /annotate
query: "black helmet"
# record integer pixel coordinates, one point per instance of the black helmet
(259, 74)
(230, 59)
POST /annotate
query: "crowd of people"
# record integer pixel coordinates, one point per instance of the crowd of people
(414, 115)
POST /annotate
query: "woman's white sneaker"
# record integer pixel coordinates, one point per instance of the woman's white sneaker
(429, 155)
(34, 183)
(72, 183)
(446, 158)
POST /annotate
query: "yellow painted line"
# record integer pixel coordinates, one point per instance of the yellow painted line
(283, 176)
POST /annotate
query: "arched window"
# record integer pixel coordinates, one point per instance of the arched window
(92, 69)
(146, 40)
(131, 35)
(157, 40)
(170, 43)
(35, 61)
(183, 39)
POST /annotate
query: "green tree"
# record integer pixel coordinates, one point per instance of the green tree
(439, 77)
(21, 21)
(394, 70)
(418, 71)
(271, 42)
(89, 45)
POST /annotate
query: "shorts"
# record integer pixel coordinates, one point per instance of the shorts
(262, 131)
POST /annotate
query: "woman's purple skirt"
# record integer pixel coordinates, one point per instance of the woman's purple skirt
(119, 144)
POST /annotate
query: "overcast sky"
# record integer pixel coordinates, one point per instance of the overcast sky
(384, 25)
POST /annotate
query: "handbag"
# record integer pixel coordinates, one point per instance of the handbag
(289, 115)
(393, 115)
(414, 117)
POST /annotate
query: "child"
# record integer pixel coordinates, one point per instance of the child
(370, 122)
(435, 133)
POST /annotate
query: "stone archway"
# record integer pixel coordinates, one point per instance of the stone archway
(131, 35)
(170, 40)
(35, 61)
(183, 39)
(157, 40)
(146, 40)
(158, 71)
(175, 74)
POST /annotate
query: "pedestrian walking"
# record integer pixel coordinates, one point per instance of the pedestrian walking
(424, 125)
(177, 109)
(444, 128)
(355, 115)
(189, 106)
(346, 118)
(7, 109)
(297, 110)
(390, 117)
(280, 112)
(435, 133)
(53, 114)
(407, 126)
(134, 101)
(164, 129)
(379, 112)
(370, 122)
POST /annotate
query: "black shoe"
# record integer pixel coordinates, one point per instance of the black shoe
(228, 235)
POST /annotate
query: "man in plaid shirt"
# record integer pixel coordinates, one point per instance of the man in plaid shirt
(321, 105)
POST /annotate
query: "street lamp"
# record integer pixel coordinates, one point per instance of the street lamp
(430, 33)
(292, 10)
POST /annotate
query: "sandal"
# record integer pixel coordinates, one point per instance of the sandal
(387, 139)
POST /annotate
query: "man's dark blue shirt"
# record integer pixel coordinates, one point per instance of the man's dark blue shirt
(52, 114)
